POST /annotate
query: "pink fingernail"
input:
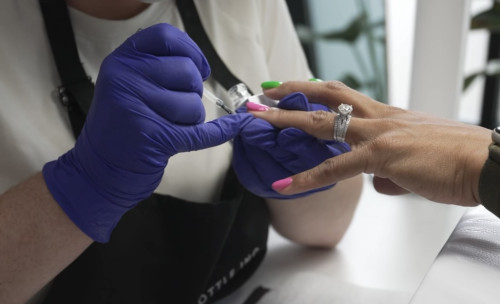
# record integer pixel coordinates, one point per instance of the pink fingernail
(282, 184)
(252, 106)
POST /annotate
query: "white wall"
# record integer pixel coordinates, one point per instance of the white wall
(401, 27)
(475, 60)
(400, 34)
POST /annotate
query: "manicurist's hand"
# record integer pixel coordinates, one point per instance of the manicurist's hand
(407, 151)
(264, 153)
(146, 108)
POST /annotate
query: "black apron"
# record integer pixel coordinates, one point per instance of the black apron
(165, 250)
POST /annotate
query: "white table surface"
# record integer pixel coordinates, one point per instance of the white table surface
(390, 246)
(467, 270)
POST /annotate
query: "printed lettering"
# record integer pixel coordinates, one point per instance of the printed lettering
(212, 290)
(202, 299)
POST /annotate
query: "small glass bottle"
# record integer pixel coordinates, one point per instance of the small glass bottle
(239, 95)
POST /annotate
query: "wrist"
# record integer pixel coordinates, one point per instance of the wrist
(87, 207)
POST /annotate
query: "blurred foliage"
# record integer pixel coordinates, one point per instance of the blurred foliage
(373, 72)
(487, 20)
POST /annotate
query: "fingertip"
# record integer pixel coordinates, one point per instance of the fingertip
(270, 84)
(257, 107)
(282, 184)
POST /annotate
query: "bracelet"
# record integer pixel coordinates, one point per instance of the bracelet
(489, 180)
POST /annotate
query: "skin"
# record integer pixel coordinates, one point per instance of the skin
(38, 240)
(407, 151)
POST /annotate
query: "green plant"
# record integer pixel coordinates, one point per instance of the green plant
(487, 20)
(373, 70)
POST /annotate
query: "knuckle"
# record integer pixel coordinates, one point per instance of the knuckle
(319, 124)
(336, 85)
(317, 117)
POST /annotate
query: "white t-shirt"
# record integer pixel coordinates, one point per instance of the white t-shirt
(255, 38)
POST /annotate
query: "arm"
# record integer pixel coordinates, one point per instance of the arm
(146, 108)
(319, 219)
(37, 240)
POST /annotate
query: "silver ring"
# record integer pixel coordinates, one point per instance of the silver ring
(341, 122)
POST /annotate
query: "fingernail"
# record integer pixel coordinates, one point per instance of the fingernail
(315, 80)
(282, 184)
(270, 84)
(252, 106)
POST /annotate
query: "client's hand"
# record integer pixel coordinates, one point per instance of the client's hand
(147, 107)
(263, 153)
(406, 150)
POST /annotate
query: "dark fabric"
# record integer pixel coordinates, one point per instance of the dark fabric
(195, 30)
(76, 90)
(489, 181)
(256, 295)
(171, 251)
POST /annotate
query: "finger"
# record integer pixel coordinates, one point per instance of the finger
(185, 108)
(206, 135)
(328, 172)
(173, 73)
(331, 94)
(294, 101)
(166, 40)
(307, 150)
(386, 186)
(260, 133)
(298, 101)
(320, 124)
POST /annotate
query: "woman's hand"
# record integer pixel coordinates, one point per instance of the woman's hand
(407, 151)
(263, 153)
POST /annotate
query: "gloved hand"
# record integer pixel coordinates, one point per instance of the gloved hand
(146, 107)
(264, 154)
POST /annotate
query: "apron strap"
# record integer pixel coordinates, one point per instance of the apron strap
(77, 89)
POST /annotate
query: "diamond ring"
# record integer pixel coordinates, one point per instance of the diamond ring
(341, 122)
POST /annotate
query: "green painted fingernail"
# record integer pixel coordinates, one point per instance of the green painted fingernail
(315, 79)
(270, 84)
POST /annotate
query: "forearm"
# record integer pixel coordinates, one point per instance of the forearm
(320, 219)
(37, 240)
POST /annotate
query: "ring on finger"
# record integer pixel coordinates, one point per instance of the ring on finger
(341, 122)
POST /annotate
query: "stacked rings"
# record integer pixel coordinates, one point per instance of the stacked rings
(341, 122)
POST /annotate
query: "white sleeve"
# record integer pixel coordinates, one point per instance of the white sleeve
(284, 54)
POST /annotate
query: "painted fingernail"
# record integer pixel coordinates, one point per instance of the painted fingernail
(315, 80)
(252, 106)
(270, 84)
(282, 184)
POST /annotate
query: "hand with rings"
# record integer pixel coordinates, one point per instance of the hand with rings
(407, 151)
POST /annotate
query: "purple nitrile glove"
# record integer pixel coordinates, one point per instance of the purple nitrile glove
(264, 154)
(146, 107)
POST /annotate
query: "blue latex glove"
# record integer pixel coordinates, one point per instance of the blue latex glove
(146, 107)
(264, 154)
